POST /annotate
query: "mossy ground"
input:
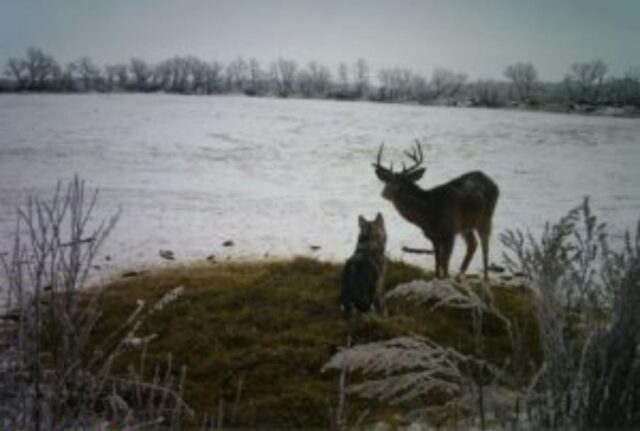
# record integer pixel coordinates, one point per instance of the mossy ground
(255, 335)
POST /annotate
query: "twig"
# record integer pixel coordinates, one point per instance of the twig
(416, 250)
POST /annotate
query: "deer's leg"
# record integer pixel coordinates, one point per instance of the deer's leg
(447, 249)
(472, 244)
(484, 243)
(437, 253)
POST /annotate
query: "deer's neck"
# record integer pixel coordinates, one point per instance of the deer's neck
(414, 204)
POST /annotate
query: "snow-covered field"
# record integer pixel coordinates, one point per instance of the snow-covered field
(277, 176)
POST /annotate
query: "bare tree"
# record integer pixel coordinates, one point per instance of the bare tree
(585, 81)
(176, 74)
(283, 73)
(163, 74)
(110, 77)
(214, 77)
(183, 75)
(237, 74)
(305, 83)
(446, 83)
(386, 89)
(89, 73)
(40, 68)
(67, 78)
(489, 93)
(122, 75)
(524, 79)
(198, 75)
(419, 89)
(256, 78)
(625, 90)
(17, 69)
(141, 74)
(361, 74)
(632, 87)
(343, 78)
(55, 81)
(396, 83)
(321, 78)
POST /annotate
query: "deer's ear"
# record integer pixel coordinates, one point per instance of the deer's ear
(416, 175)
(382, 174)
(361, 221)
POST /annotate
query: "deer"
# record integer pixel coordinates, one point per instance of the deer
(464, 205)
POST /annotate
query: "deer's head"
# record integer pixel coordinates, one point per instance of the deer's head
(394, 182)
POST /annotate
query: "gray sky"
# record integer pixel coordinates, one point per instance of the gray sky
(479, 37)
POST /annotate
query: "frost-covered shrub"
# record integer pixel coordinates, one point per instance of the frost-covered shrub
(588, 321)
(52, 375)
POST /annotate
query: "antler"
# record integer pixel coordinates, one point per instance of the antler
(415, 155)
(385, 174)
(378, 164)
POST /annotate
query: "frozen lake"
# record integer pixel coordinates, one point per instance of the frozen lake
(277, 176)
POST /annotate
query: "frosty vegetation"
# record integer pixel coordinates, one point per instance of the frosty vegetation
(52, 375)
(587, 86)
(586, 301)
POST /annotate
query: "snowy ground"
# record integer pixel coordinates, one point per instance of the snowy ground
(277, 176)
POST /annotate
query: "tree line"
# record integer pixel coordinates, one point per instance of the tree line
(587, 85)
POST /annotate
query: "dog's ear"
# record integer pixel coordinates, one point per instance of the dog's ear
(361, 222)
(379, 220)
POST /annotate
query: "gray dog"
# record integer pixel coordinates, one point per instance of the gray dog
(363, 273)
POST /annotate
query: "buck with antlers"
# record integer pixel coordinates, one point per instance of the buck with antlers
(463, 206)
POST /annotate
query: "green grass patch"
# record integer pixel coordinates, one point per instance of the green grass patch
(254, 336)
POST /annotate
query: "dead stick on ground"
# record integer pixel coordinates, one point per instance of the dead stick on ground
(416, 250)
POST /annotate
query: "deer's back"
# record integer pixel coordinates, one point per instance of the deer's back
(475, 185)
(467, 201)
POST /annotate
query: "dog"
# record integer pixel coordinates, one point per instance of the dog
(363, 273)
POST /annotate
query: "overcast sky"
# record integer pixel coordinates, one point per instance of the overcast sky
(479, 37)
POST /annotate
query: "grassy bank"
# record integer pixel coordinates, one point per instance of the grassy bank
(254, 336)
